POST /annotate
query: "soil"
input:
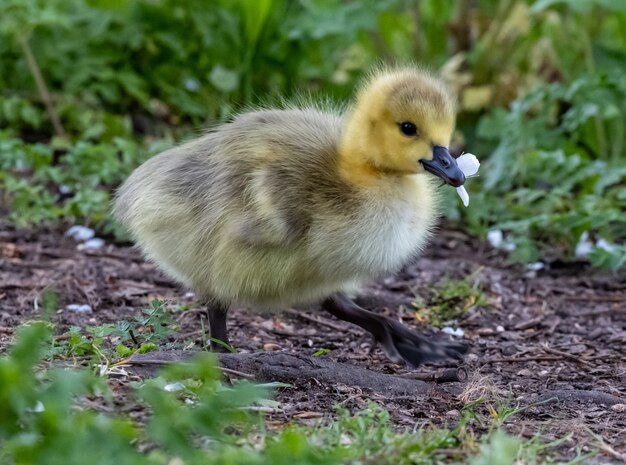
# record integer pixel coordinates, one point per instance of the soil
(551, 342)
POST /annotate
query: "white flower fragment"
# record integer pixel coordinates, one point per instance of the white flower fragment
(536, 266)
(79, 308)
(173, 387)
(463, 194)
(37, 408)
(92, 244)
(80, 233)
(458, 332)
(584, 246)
(469, 164)
(605, 245)
(495, 237)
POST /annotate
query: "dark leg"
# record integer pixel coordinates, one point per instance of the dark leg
(400, 344)
(217, 325)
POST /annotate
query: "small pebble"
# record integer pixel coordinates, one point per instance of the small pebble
(619, 408)
(79, 308)
(509, 349)
(499, 329)
(80, 233)
(525, 373)
(271, 347)
(452, 413)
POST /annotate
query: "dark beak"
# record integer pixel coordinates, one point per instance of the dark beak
(444, 165)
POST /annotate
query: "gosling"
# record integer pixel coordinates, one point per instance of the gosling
(286, 207)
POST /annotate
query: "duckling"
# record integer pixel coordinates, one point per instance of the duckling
(296, 206)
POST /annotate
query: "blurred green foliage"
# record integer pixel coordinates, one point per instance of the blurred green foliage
(540, 84)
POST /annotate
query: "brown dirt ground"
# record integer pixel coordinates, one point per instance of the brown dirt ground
(559, 329)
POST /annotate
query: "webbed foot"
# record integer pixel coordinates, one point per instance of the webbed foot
(400, 344)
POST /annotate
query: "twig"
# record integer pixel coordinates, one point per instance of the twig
(601, 444)
(41, 87)
(537, 358)
(565, 355)
(236, 373)
(528, 323)
(552, 328)
(114, 255)
(328, 324)
(597, 298)
(172, 362)
(449, 375)
(132, 336)
(603, 311)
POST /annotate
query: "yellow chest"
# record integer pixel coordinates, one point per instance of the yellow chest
(392, 225)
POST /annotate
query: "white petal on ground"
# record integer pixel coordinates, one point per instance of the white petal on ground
(173, 387)
(458, 332)
(38, 408)
(80, 233)
(509, 245)
(463, 194)
(536, 266)
(468, 163)
(584, 246)
(79, 308)
(605, 245)
(92, 244)
(495, 237)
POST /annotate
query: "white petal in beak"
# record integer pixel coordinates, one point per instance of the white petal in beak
(463, 194)
(469, 164)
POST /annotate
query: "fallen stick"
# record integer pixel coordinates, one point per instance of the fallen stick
(329, 324)
(566, 355)
(136, 360)
(597, 298)
(289, 368)
(576, 395)
(534, 358)
(528, 323)
(448, 375)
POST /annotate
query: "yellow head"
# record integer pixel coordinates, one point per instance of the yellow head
(400, 124)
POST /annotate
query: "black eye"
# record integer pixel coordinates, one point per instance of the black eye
(408, 128)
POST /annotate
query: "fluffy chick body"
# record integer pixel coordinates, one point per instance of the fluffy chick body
(277, 207)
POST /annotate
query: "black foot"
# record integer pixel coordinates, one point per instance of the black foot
(217, 325)
(400, 344)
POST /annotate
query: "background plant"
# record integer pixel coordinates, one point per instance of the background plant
(91, 88)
